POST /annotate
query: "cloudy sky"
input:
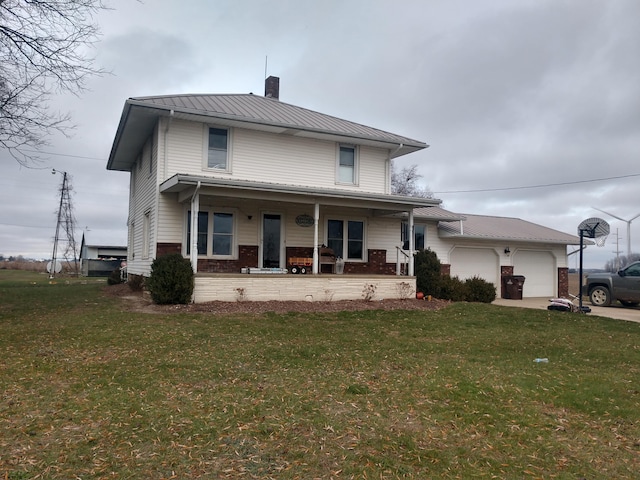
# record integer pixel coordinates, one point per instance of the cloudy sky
(531, 108)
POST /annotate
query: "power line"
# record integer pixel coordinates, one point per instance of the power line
(23, 226)
(64, 155)
(544, 185)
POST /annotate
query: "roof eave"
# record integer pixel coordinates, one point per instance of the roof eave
(443, 234)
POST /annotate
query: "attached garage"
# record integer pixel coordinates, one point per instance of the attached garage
(540, 272)
(492, 247)
(469, 262)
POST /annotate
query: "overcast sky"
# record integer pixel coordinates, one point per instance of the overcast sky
(507, 94)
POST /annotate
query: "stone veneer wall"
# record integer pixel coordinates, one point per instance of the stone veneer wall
(312, 288)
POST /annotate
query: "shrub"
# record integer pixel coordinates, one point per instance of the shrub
(452, 288)
(430, 281)
(427, 271)
(479, 290)
(171, 279)
(136, 282)
(115, 278)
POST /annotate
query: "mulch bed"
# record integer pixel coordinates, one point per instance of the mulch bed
(141, 302)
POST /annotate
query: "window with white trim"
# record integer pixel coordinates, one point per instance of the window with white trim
(146, 234)
(347, 164)
(132, 240)
(346, 238)
(218, 148)
(216, 233)
(418, 237)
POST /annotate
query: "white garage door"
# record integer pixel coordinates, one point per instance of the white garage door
(476, 262)
(539, 269)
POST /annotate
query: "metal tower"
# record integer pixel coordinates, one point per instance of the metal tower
(66, 222)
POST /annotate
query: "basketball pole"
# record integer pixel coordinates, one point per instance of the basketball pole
(581, 280)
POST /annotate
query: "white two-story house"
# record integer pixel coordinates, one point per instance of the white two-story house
(249, 188)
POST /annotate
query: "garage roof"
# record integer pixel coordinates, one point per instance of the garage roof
(485, 227)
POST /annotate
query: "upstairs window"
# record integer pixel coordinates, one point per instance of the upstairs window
(217, 150)
(347, 164)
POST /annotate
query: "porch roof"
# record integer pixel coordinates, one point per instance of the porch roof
(184, 185)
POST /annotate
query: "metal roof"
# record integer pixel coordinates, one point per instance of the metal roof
(185, 184)
(437, 213)
(140, 115)
(484, 227)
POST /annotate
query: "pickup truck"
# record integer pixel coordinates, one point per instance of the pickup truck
(605, 288)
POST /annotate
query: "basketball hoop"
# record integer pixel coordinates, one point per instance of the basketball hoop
(598, 230)
(600, 241)
(595, 228)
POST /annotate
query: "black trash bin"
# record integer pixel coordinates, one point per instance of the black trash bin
(513, 285)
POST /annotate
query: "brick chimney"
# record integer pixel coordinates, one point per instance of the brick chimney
(272, 87)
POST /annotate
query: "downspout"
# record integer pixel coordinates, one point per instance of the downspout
(166, 155)
(195, 207)
(411, 242)
(388, 167)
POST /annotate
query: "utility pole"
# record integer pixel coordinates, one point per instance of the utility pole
(617, 251)
(66, 221)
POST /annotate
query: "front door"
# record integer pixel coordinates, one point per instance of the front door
(271, 240)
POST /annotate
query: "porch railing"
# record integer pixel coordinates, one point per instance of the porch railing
(402, 260)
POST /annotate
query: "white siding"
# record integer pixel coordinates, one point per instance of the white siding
(185, 148)
(142, 198)
(267, 157)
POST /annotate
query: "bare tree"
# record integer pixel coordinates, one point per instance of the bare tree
(405, 182)
(43, 51)
(621, 261)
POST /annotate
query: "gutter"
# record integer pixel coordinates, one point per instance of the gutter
(166, 155)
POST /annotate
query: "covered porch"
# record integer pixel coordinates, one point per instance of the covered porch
(271, 231)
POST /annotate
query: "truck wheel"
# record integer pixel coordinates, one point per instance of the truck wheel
(629, 304)
(294, 269)
(600, 296)
(303, 270)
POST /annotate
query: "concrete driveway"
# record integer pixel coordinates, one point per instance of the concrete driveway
(616, 311)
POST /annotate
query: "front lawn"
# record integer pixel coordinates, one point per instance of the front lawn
(91, 390)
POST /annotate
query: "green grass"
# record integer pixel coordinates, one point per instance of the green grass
(90, 390)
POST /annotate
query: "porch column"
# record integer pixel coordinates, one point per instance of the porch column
(195, 208)
(316, 257)
(411, 243)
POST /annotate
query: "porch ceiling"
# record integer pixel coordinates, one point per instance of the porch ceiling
(184, 186)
